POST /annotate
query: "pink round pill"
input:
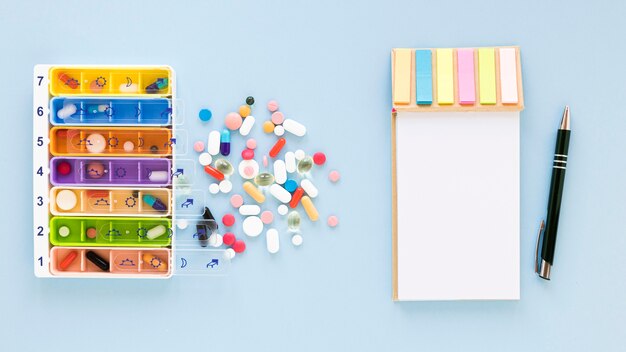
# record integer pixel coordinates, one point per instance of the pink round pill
(278, 118)
(236, 200)
(267, 217)
(272, 105)
(233, 121)
(247, 154)
(248, 171)
(251, 143)
(198, 146)
(334, 176)
(333, 221)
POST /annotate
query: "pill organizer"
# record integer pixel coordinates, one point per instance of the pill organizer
(113, 193)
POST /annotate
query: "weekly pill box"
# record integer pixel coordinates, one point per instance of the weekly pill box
(107, 180)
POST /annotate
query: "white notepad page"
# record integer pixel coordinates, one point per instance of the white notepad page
(458, 199)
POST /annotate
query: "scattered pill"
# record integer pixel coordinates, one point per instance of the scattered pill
(299, 154)
(278, 118)
(290, 162)
(66, 199)
(267, 217)
(205, 158)
(229, 253)
(154, 262)
(282, 209)
(296, 240)
(198, 146)
(91, 232)
(214, 188)
(244, 111)
(293, 221)
(96, 143)
(251, 143)
(236, 200)
(309, 208)
(309, 188)
(228, 220)
(319, 158)
(205, 114)
(250, 100)
(225, 142)
(305, 165)
(154, 202)
(215, 240)
(268, 127)
(155, 232)
(64, 168)
(129, 146)
(265, 161)
(333, 221)
(213, 144)
(247, 154)
(264, 179)
(224, 166)
(294, 127)
(158, 176)
(246, 126)
(279, 130)
(252, 226)
(64, 231)
(253, 192)
(280, 172)
(182, 223)
(290, 185)
(249, 209)
(233, 121)
(202, 233)
(226, 186)
(215, 173)
(68, 260)
(280, 143)
(97, 260)
(239, 246)
(248, 169)
(66, 111)
(295, 198)
(272, 241)
(334, 176)
(272, 105)
(229, 238)
(280, 193)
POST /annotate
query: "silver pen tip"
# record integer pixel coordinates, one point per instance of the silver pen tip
(565, 119)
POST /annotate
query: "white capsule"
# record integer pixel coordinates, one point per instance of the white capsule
(309, 188)
(282, 209)
(216, 240)
(214, 188)
(280, 193)
(296, 240)
(158, 176)
(290, 162)
(213, 145)
(225, 186)
(205, 159)
(272, 240)
(249, 209)
(68, 110)
(229, 253)
(294, 127)
(299, 154)
(155, 232)
(252, 226)
(248, 169)
(279, 130)
(280, 172)
(246, 126)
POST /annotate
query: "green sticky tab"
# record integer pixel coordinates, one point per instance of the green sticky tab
(487, 76)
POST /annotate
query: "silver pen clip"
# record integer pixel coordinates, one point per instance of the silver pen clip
(541, 228)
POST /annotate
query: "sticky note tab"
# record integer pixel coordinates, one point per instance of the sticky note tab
(487, 75)
(402, 76)
(423, 77)
(445, 77)
(465, 76)
(508, 76)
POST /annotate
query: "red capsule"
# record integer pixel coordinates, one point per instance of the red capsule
(277, 147)
(295, 198)
(214, 172)
(67, 261)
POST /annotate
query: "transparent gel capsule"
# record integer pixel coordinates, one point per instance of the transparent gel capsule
(182, 185)
(305, 165)
(264, 179)
(223, 166)
(293, 221)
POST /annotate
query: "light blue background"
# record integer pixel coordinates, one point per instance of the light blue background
(327, 62)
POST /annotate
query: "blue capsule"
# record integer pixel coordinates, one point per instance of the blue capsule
(225, 142)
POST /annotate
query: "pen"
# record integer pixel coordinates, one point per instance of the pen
(544, 262)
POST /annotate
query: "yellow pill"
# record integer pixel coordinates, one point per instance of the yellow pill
(244, 110)
(253, 192)
(268, 127)
(309, 208)
(153, 262)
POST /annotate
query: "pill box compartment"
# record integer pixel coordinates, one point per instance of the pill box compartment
(121, 111)
(113, 141)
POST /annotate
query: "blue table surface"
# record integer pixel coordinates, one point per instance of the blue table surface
(328, 64)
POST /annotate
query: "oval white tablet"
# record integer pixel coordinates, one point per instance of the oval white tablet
(279, 130)
(213, 144)
(280, 193)
(226, 186)
(299, 154)
(309, 188)
(229, 253)
(246, 126)
(155, 232)
(158, 176)
(248, 169)
(252, 226)
(182, 223)
(280, 172)
(214, 188)
(66, 199)
(294, 127)
(282, 209)
(205, 159)
(249, 209)
(290, 162)
(215, 240)
(272, 240)
(296, 240)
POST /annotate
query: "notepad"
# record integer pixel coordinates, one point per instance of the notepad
(456, 199)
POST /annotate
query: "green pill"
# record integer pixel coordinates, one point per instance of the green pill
(293, 221)
(264, 179)
(305, 165)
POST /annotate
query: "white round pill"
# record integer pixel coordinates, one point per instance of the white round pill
(296, 240)
(214, 188)
(226, 186)
(279, 130)
(252, 226)
(182, 223)
(229, 253)
(96, 143)
(248, 169)
(282, 209)
(215, 240)
(205, 159)
(66, 199)
(129, 146)
(300, 154)
(64, 231)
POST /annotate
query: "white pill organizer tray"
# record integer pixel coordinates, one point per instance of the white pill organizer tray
(112, 196)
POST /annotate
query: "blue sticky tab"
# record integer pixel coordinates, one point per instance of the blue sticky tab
(423, 77)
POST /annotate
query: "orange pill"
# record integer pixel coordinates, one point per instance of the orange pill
(268, 127)
(67, 261)
(277, 147)
(295, 198)
(244, 111)
(214, 172)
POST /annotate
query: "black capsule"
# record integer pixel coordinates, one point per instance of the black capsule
(203, 237)
(250, 100)
(97, 260)
(154, 149)
(211, 223)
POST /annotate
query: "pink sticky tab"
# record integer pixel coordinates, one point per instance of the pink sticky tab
(508, 76)
(465, 74)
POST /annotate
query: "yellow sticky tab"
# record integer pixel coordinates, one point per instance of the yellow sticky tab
(487, 75)
(445, 77)
(402, 76)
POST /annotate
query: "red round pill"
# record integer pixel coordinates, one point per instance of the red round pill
(228, 220)
(319, 158)
(239, 246)
(64, 168)
(229, 238)
(247, 154)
